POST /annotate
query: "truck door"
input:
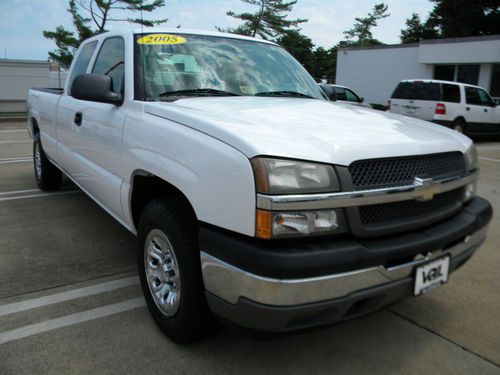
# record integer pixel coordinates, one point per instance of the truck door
(92, 136)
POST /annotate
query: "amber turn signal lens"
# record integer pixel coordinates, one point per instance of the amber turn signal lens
(264, 224)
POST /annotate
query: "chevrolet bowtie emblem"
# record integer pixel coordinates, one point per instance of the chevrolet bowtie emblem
(425, 188)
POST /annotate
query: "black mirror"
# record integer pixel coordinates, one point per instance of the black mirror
(95, 88)
(329, 91)
(361, 100)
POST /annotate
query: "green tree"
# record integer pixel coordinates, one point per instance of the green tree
(324, 63)
(360, 34)
(99, 14)
(269, 22)
(416, 30)
(299, 46)
(459, 18)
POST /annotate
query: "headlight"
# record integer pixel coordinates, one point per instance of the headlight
(471, 163)
(471, 160)
(278, 176)
(296, 224)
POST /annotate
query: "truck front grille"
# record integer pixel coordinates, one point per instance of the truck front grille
(389, 172)
(407, 211)
(388, 218)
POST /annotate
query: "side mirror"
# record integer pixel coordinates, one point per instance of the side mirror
(329, 91)
(95, 88)
(362, 100)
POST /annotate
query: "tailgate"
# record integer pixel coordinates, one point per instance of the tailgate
(422, 109)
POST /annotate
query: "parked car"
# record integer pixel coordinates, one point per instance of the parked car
(345, 95)
(255, 199)
(465, 108)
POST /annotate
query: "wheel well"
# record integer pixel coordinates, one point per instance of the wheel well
(36, 130)
(459, 118)
(146, 188)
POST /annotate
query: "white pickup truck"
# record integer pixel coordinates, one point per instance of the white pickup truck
(255, 199)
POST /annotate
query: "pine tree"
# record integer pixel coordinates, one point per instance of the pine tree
(269, 22)
(416, 30)
(360, 34)
(99, 15)
(458, 18)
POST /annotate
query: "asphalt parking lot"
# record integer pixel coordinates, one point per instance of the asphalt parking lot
(70, 301)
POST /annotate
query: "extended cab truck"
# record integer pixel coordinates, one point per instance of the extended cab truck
(255, 199)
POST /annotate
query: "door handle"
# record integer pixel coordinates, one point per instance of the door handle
(467, 108)
(78, 118)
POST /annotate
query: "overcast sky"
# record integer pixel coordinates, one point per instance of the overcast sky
(22, 21)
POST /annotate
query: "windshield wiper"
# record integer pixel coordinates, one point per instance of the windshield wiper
(283, 93)
(198, 92)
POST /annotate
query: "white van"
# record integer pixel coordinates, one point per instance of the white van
(465, 108)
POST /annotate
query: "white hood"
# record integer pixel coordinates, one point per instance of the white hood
(308, 129)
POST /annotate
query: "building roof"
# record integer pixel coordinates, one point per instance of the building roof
(481, 38)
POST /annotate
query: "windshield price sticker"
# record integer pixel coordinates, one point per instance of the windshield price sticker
(160, 39)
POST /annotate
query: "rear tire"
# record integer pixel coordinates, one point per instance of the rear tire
(168, 259)
(48, 176)
(459, 125)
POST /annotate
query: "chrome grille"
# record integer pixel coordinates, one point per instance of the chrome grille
(399, 171)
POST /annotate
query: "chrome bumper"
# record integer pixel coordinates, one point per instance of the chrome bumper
(231, 283)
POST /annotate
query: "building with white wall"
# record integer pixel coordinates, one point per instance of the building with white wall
(17, 76)
(373, 72)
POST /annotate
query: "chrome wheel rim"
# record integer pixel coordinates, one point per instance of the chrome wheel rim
(38, 161)
(162, 272)
(459, 128)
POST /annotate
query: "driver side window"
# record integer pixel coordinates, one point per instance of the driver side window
(110, 61)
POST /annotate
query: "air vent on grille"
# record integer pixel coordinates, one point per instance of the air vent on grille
(388, 172)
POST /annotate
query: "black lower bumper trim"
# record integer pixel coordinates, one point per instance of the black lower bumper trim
(290, 259)
(259, 317)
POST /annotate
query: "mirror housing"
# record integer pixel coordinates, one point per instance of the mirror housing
(362, 100)
(329, 91)
(95, 88)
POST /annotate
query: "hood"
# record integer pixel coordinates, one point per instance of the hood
(308, 129)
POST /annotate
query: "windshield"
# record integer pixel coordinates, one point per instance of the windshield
(171, 66)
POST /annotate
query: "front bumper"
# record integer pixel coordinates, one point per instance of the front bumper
(260, 285)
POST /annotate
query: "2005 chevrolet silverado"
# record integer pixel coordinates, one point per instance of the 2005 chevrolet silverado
(255, 199)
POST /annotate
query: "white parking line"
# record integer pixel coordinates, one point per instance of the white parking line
(489, 159)
(69, 320)
(39, 195)
(17, 158)
(68, 295)
(19, 191)
(14, 142)
(15, 131)
(16, 161)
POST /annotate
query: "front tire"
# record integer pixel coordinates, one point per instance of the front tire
(170, 271)
(48, 176)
